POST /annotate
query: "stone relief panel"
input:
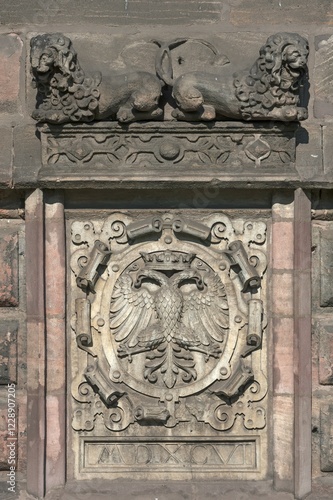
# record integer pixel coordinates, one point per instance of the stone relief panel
(269, 90)
(168, 347)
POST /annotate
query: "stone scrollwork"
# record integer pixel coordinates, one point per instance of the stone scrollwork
(89, 274)
(169, 317)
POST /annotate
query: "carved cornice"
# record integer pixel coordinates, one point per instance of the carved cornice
(139, 150)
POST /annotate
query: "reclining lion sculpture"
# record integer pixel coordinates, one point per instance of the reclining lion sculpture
(67, 94)
(268, 91)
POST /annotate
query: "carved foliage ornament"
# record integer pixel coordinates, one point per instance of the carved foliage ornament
(269, 90)
(169, 309)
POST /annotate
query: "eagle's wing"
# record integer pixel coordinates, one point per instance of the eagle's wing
(206, 311)
(131, 310)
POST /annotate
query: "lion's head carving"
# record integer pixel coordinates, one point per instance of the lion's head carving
(275, 77)
(62, 85)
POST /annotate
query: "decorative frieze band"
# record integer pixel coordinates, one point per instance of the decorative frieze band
(107, 148)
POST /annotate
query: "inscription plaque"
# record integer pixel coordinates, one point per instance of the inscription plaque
(170, 455)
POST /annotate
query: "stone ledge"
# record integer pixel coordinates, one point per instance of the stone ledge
(107, 151)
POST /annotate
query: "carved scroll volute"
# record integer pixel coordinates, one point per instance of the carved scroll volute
(239, 261)
(83, 324)
(89, 274)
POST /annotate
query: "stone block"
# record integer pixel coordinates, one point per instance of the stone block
(283, 421)
(326, 268)
(323, 74)
(252, 12)
(327, 147)
(10, 61)
(309, 156)
(27, 156)
(283, 355)
(9, 268)
(3, 435)
(282, 206)
(8, 351)
(326, 353)
(282, 245)
(282, 294)
(121, 12)
(6, 156)
(326, 442)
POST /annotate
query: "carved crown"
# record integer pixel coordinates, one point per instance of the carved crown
(167, 260)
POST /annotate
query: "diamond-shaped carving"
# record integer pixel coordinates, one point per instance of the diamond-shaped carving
(258, 150)
(79, 150)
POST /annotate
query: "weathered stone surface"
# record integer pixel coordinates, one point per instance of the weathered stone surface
(327, 148)
(326, 445)
(283, 452)
(282, 301)
(9, 268)
(326, 353)
(326, 268)
(10, 60)
(3, 434)
(6, 144)
(323, 75)
(309, 152)
(35, 343)
(283, 245)
(283, 355)
(8, 351)
(121, 12)
(27, 156)
(252, 12)
(175, 490)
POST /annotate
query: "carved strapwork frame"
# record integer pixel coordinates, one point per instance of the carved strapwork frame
(168, 342)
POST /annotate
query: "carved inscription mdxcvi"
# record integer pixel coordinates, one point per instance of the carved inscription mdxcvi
(169, 455)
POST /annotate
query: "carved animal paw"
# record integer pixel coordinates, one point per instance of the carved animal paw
(125, 351)
(205, 113)
(125, 115)
(156, 113)
(302, 113)
(214, 351)
(291, 113)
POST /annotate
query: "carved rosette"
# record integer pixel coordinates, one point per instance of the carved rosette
(168, 316)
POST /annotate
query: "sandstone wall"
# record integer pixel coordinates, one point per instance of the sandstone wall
(112, 35)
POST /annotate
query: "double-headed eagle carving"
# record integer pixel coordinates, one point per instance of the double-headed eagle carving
(169, 310)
